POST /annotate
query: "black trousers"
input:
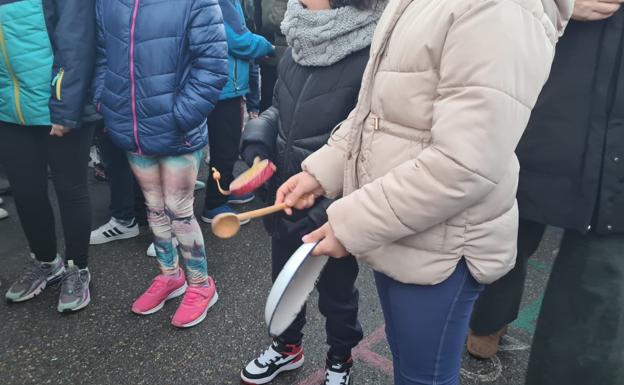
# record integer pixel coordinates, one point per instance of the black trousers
(579, 339)
(126, 198)
(338, 300)
(225, 124)
(499, 303)
(27, 152)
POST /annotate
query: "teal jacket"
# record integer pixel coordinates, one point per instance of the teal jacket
(47, 54)
(243, 46)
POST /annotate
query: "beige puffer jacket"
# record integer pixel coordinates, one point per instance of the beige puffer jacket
(426, 160)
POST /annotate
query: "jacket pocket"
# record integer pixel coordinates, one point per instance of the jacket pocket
(57, 83)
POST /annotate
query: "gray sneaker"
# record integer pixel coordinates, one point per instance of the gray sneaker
(36, 277)
(75, 293)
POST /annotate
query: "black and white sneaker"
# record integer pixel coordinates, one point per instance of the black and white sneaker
(338, 372)
(114, 231)
(276, 359)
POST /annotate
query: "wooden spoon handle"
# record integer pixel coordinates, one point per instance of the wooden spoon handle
(216, 175)
(261, 212)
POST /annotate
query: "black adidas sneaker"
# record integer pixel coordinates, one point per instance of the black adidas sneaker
(276, 359)
(338, 372)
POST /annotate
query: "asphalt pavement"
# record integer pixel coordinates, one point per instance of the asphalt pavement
(108, 345)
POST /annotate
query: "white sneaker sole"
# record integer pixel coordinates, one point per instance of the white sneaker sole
(151, 250)
(40, 288)
(175, 294)
(241, 201)
(287, 368)
(213, 301)
(127, 235)
(79, 307)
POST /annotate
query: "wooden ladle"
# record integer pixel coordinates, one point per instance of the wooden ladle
(226, 225)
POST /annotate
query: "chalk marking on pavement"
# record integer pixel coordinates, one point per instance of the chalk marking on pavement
(528, 316)
(486, 377)
(362, 353)
(365, 353)
(497, 366)
(541, 266)
(513, 345)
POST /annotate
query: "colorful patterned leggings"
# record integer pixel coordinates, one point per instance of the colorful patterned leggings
(168, 184)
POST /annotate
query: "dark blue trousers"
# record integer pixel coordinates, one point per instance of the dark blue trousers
(426, 326)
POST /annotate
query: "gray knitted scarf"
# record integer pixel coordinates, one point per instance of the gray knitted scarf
(322, 38)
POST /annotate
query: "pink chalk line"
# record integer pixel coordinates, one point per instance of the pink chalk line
(362, 353)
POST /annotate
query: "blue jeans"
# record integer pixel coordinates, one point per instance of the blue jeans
(426, 326)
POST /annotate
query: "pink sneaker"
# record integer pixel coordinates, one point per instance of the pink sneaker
(163, 288)
(195, 305)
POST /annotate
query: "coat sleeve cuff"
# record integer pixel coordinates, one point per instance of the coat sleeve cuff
(65, 123)
(327, 166)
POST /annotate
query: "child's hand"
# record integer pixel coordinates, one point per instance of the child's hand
(295, 188)
(590, 10)
(58, 130)
(329, 245)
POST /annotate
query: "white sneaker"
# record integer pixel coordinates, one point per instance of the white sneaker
(276, 359)
(151, 250)
(1, 200)
(113, 231)
(3, 214)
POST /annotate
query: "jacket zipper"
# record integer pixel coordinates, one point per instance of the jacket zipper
(132, 83)
(235, 74)
(57, 82)
(16, 90)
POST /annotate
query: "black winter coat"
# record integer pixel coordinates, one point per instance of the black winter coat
(572, 153)
(308, 103)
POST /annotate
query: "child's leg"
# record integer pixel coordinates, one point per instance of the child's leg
(69, 158)
(179, 174)
(147, 172)
(225, 123)
(338, 302)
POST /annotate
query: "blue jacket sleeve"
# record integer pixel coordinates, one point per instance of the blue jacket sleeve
(253, 97)
(100, 57)
(209, 69)
(73, 39)
(242, 43)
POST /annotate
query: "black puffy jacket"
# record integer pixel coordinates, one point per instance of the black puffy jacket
(572, 153)
(308, 103)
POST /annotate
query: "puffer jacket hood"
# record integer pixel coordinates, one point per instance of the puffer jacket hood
(160, 68)
(426, 160)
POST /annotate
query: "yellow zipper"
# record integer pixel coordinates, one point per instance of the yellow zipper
(16, 91)
(58, 80)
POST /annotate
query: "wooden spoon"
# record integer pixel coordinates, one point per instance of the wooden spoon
(226, 225)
